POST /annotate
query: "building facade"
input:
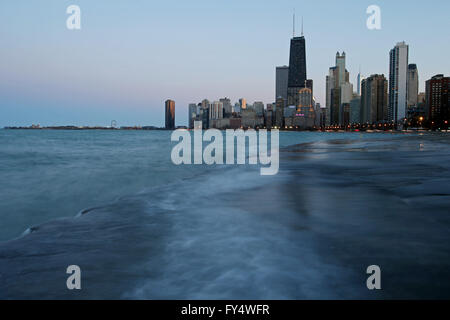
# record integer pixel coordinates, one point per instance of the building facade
(297, 68)
(242, 104)
(227, 107)
(374, 99)
(170, 114)
(281, 82)
(437, 100)
(355, 109)
(398, 73)
(413, 85)
(216, 110)
(339, 91)
(192, 114)
(279, 112)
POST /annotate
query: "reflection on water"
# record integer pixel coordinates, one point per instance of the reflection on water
(337, 206)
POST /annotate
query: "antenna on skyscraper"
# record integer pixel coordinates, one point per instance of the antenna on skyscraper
(293, 24)
(302, 26)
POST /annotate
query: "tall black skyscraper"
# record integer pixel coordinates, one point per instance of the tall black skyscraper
(297, 63)
(297, 70)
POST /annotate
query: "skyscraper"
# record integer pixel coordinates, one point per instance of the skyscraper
(341, 71)
(237, 107)
(227, 107)
(281, 82)
(355, 109)
(258, 106)
(170, 114)
(339, 91)
(297, 63)
(192, 114)
(358, 83)
(374, 99)
(398, 69)
(346, 95)
(437, 99)
(413, 85)
(330, 85)
(216, 110)
(243, 103)
(279, 112)
(297, 68)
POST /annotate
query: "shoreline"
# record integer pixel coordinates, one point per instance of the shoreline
(149, 128)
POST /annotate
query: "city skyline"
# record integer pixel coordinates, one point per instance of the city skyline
(134, 76)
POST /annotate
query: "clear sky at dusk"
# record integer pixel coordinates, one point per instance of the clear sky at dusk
(130, 56)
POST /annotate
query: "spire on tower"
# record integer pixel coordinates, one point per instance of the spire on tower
(293, 24)
(302, 26)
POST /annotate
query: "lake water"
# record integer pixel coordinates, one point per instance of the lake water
(140, 227)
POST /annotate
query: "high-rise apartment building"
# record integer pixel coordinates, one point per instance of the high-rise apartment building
(358, 84)
(437, 99)
(346, 96)
(227, 107)
(398, 73)
(242, 104)
(279, 112)
(281, 82)
(170, 114)
(355, 109)
(216, 110)
(330, 85)
(413, 85)
(374, 98)
(258, 106)
(237, 107)
(204, 109)
(192, 114)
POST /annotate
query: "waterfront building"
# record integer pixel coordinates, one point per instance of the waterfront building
(355, 109)
(340, 66)
(170, 114)
(192, 114)
(242, 104)
(358, 83)
(248, 118)
(297, 68)
(258, 106)
(237, 108)
(281, 82)
(227, 107)
(374, 98)
(346, 95)
(413, 86)
(437, 99)
(216, 110)
(330, 85)
(279, 112)
(335, 105)
(398, 69)
(339, 90)
(204, 104)
(269, 116)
